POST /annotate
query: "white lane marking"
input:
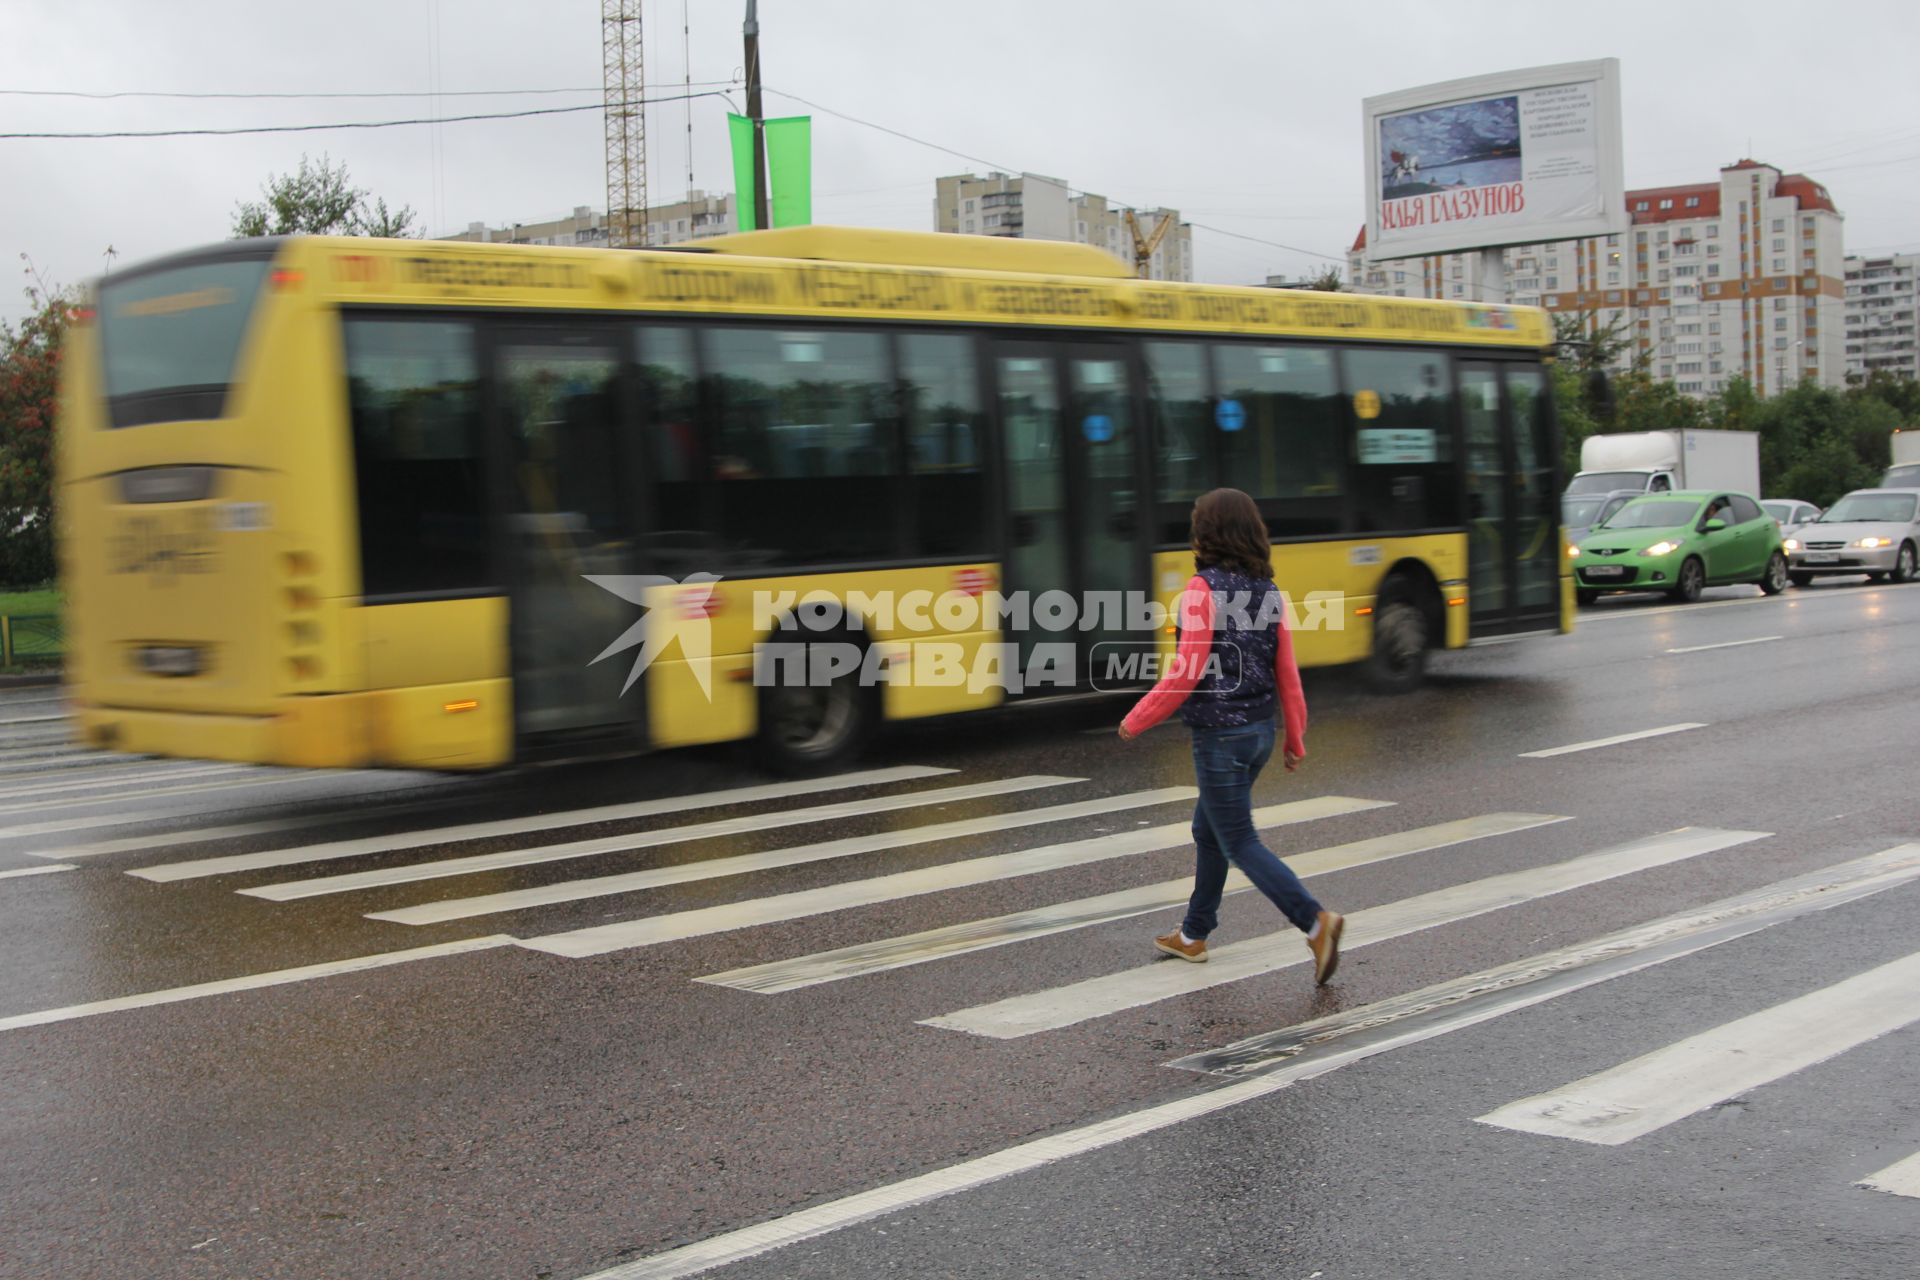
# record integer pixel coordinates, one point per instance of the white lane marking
(4, 722)
(978, 935)
(1370, 1030)
(1724, 644)
(1065, 1006)
(38, 871)
(279, 778)
(680, 925)
(508, 826)
(155, 842)
(277, 977)
(70, 783)
(1608, 742)
(654, 877)
(1902, 1179)
(1659, 1088)
(637, 840)
(1796, 600)
(82, 760)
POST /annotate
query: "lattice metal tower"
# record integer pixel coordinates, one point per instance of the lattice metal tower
(623, 76)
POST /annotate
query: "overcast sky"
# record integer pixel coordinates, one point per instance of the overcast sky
(1243, 115)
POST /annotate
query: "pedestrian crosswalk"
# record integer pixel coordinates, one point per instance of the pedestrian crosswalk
(646, 861)
(1660, 1088)
(1112, 993)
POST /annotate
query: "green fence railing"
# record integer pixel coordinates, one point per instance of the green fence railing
(31, 639)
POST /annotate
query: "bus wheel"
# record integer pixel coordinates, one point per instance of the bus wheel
(1400, 637)
(810, 725)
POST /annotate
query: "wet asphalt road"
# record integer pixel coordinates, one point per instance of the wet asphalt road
(511, 1112)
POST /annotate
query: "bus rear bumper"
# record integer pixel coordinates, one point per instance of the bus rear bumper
(452, 727)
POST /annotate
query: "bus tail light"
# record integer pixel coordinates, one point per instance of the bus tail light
(287, 278)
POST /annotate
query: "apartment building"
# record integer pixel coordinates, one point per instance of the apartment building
(695, 218)
(1744, 276)
(1034, 207)
(1880, 316)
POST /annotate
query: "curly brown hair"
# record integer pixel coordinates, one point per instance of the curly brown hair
(1230, 533)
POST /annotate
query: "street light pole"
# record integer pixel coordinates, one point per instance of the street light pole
(751, 34)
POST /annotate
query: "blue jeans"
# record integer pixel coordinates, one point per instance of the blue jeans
(1225, 763)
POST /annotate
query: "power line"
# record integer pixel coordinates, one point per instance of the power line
(368, 124)
(1005, 168)
(289, 97)
(1272, 244)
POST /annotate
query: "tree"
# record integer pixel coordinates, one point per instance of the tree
(29, 378)
(320, 200)
(1327, 281)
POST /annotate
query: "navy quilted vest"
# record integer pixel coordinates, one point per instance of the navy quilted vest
(1241, 690)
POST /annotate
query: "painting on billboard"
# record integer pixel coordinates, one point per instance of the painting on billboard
(1469, 144)
(1505, 159)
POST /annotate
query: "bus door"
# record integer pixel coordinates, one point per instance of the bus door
(560, 398)
(1513, 517)
(1070, 456)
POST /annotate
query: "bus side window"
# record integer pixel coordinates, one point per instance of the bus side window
(413, 392)
(1180, 403)
(940, 399)
(801, 455)
(1405, 478)
(669, 388)
(1279, 427)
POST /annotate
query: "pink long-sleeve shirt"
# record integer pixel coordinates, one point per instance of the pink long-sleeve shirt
(1196, 642)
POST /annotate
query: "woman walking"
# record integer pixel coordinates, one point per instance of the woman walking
(1233, 669)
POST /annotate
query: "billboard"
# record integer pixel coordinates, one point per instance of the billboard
(1513, 158)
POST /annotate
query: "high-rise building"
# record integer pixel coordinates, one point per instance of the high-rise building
(1880, 315)
(695, 218)
(1034, 207)
(1743, 277)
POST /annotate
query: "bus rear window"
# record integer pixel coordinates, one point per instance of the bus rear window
(169, 339)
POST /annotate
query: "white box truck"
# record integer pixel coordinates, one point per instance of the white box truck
(1683, 458)
(1905, 471)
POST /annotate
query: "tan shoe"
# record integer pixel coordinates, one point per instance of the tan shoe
(1195, 951)
(1326, 946)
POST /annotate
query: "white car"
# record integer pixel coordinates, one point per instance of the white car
(1790, 513)
(1870, 531)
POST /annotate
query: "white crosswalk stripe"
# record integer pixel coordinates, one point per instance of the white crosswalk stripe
(490, 830)
(602, 886)
(679, 926)
(1078, 1002)
(1902, 1179)
(743, 825)
(67, 782)
(18, 873)
(79, 762)
(978, 935)
(265, 778)
(1659, 1088)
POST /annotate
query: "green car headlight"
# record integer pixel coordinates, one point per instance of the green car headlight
(1664, 547)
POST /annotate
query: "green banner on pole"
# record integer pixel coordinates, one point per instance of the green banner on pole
(740, 132)
(790, 170)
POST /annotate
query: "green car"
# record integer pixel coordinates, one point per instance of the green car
(1680, 543)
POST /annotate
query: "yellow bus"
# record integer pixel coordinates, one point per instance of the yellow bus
(350, 502)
